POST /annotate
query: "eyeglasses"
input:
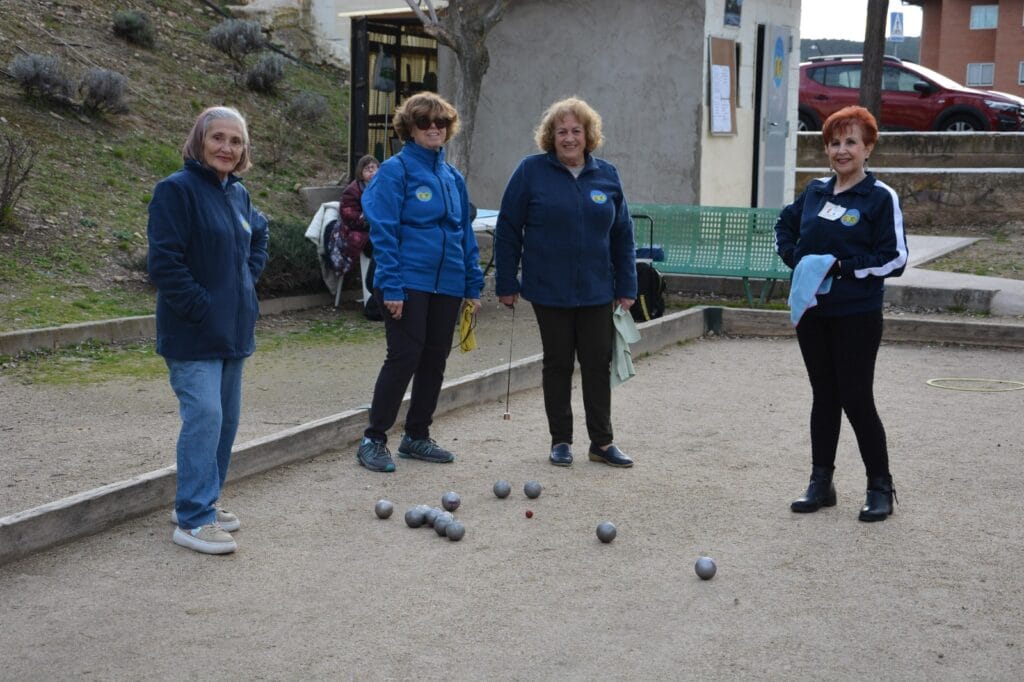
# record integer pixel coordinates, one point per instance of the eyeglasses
(423, 122)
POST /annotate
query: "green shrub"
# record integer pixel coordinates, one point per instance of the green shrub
(292, 267)
(40, 74)
(135, 27)
(306, 108)
(102, 90)
(265, 74)
(16, 160)
(236, 38)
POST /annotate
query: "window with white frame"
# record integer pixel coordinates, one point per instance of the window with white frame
(984, 16)
(980, 74)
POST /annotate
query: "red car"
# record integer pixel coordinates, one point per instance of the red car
(913, 97)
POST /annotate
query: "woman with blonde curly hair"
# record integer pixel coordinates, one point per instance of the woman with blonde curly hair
(565, 221)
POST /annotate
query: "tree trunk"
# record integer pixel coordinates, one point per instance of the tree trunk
(874, 57)
(464, 30)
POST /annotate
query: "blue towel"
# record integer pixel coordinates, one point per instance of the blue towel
(809, 280)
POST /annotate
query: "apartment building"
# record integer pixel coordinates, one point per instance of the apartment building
(977, 42)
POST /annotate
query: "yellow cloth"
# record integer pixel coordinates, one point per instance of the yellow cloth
(467, 321)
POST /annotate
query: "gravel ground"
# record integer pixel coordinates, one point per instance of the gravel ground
(320, 588)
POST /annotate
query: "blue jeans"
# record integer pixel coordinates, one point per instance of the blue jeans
(210, 400)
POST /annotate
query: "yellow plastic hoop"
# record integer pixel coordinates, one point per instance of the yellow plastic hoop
(1004, 384)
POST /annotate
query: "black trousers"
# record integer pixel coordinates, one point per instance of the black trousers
(566, 334)
(840, 353)
(418, 348)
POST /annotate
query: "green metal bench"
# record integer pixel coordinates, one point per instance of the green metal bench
(712, 241)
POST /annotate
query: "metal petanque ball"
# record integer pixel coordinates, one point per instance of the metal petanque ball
(532, 489)
(414, 517)
(441, 522)
(455, 531)
(451, 501)
(383, 509)
(606, 531)
(430, 515)
(502, 488)
(705, 568)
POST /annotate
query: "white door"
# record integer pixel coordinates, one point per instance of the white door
(775, 124)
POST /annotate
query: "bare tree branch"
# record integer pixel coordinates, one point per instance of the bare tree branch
(433, 14)
(493, 15)
(463, 29)
(414, 5)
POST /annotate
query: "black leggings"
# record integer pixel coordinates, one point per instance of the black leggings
(418, 348)
(840, 353)
(567, 334)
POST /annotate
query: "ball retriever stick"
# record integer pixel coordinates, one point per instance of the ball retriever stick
(508, 383)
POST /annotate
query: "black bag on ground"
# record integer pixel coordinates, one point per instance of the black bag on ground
(650, 293)
(372, 307)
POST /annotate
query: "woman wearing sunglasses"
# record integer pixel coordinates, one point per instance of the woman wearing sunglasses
(428, 264)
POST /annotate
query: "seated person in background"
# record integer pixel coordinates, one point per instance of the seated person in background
(358, 232)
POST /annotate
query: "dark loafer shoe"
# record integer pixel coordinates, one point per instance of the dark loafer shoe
(613, 457)
(561, 455)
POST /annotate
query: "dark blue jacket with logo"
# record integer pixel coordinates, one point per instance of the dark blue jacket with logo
(207, 248)
(418, 209)
(862, 227)
(572, 235)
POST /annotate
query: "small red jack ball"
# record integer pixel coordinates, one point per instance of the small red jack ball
(529, 514)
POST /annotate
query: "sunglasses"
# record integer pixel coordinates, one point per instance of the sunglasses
(423, 122)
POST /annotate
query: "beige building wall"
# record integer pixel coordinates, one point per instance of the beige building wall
(644, 67)
(635, 63)
(330, 20)
(727, 162)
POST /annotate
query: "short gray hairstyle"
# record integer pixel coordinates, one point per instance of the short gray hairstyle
(193, 147)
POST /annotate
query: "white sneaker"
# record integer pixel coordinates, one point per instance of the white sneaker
(208, 539)
(225, 519)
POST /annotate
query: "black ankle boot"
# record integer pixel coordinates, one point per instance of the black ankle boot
(878, 504)
(820, 493)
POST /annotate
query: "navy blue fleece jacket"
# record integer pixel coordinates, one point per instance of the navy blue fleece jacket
(572, 235)
(862, 227)
(418, 209)
(207, 248)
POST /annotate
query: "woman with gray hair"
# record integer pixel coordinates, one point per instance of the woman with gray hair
(207, 248)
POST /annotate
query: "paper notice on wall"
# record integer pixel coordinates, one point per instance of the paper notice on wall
(721, 106)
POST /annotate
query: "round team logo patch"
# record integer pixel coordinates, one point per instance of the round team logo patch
(598, 197)
(423, 193)
(850, 218)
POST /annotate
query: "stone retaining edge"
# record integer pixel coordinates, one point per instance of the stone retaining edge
(93, 511)
(126, 328)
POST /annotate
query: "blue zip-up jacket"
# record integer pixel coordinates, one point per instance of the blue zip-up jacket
(418, 209)
(207, 248)
(862, 227)
(572, 235)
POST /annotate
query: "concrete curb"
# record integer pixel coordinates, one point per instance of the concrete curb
(93, 511)
(126, 328)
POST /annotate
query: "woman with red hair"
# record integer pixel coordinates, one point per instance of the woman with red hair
(844, 234)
